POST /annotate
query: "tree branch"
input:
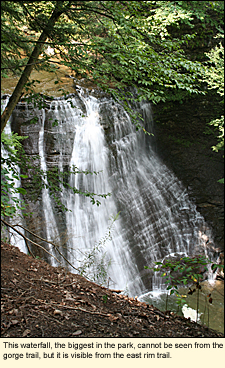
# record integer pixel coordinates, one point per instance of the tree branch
(27, 239)
(47, 241)
(15, 97)
(38, 62)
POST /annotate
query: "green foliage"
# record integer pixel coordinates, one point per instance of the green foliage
(104, 298)
(10, 202)
(12, 142)
(37, 179)
(115, 44)
(12, 23)
(221, 181)
(219, 124)
(55, 181)
(144, 54)
(187, 271)
(95, 264)
(214, 76)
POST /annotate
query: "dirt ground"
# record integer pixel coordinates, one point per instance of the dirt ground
(39, 300)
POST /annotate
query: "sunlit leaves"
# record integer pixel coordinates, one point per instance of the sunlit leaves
(219, 124)
(214, 73)
(116, 45)
(119, 46)
(214, 77)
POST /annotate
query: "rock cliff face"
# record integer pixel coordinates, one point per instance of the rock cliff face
(184, 142)
(181, 141)
(57, 147)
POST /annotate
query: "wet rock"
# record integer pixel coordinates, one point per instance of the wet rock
(184, 147)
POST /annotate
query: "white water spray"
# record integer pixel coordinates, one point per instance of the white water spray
(156, 217)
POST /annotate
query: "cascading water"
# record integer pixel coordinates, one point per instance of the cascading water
(87, 222)
(156, 218)
(49, 218)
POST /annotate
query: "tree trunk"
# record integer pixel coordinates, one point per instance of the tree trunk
(15, 97)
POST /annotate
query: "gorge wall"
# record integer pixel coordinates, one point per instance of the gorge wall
(156, 216)
(184, 142)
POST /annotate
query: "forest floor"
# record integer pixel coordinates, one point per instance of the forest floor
(39, 300)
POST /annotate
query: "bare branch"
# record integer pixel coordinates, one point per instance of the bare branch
(47, 241)
(27, 239)
(38, 62)
(49, 43)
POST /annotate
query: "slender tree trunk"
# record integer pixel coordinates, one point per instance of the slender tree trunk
(15, 97)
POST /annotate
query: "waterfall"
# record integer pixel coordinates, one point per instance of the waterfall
(156, 217)
(88, 223)
(49, 218)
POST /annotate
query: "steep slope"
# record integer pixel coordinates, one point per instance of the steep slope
(39, 300)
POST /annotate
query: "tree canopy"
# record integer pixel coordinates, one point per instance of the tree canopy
(215, 78)
(119, 46)
(116, 45)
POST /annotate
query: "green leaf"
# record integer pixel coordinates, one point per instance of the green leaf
(21, 190)
(55, 123)
(189, 269)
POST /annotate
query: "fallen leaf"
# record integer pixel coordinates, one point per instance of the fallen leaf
(78, 332)
(111, 317)
(25, 333)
